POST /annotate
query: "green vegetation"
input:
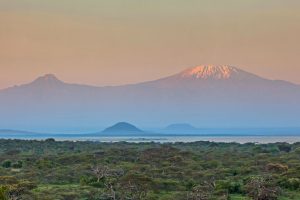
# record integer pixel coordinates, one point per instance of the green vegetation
(52, 170)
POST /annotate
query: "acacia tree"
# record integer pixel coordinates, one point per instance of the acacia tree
(203, 191)
(100, 172)
(136, 185)
(109, 178)
(111, 181)
(260, 188)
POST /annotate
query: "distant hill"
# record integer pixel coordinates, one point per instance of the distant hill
(16, 132)
(122, 128)
(7, 133)
(181, 126)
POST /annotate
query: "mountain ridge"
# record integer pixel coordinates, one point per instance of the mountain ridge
(222, 99)
(204, 72)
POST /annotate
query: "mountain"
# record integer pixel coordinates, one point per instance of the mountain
(211, 72)
(122, 128)
(207, 96)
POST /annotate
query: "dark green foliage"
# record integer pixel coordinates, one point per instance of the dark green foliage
(233, 187)
(200, 170)
(50, 140)
(290, 183)
(17, 164)
(4, 192)
(6, 164)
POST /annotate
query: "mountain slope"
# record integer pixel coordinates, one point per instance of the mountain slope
(207, 96)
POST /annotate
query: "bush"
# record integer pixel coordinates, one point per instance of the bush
(50, 140)
(276, 168)
(167, 185)
(291, 183)
(8, 180)
(3, 193)
(18, 165)
(6, 164)
(297, 150)
(231, 186)
(284, 147)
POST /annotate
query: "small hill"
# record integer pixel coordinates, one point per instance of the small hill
(181, 127)
(122, 128)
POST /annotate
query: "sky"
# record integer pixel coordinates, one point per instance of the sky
(114, 42)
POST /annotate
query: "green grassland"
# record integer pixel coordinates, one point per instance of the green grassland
(65, 170)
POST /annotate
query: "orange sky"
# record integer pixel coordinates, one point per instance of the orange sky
(116, 42)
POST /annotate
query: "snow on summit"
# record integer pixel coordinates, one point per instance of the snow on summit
(210, 72)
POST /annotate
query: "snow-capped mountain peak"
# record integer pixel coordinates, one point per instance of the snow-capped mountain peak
(216, 96)
(210, 72)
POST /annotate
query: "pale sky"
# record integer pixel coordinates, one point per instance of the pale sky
(112, 42)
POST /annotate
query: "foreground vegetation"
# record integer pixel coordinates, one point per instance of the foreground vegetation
(189, 171)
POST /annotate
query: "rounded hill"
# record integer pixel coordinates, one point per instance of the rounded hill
(122, 127)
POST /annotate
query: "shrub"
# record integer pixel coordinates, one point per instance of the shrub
(50, 140)
(297, 150)
(276, 167)
(3, 193)
(232, 187)
(169, 185)
(290, 183)
(18, 165)
(6, 164)
(284, 147)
